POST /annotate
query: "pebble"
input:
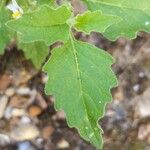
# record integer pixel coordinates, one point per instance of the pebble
(63, 144)
(39, 143)
(44, 78)
(10, 92)
(144, 108)
(41, 101)
(18, 101)
(110, 113)
(5, 81)
(34, 111)
(14, 121)
(118, 94)
(25, 120)
(60, 115)
(143, 104)
(40, 140)
(32, 96)
(3, 104)
(47, 132)
(24, 146)
(136, 87)
(21, 77)
(141, 74)
(16, 112)
(144, 132)
(24, 132)
(8, 113)
(4, 139)
(23, 91)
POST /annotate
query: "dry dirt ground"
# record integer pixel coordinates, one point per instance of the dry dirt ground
(28, 120)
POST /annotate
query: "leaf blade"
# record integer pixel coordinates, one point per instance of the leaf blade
(134, 19)
(50, 28)
(94, 21)
(75, 78)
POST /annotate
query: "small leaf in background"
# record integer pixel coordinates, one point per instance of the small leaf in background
(36, 52)
(80, 78)
(95, 21)
(135, 16)
(50, 27)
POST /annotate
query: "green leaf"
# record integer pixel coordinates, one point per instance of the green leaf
(95, 21)
(36, 52)
(4, 31)
(80, 78)
(50, 27)
(50, 2)
(135, 16)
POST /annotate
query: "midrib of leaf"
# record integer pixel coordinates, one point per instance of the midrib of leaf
(80, 81)
(76, 62)
(120, 6)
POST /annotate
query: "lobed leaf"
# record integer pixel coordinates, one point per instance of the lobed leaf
(135, 16)
(80, 78)
(95, 21)
(50, 27)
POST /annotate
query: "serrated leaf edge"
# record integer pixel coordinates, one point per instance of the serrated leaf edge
(87, 12)
(104, 107)
(38, 9)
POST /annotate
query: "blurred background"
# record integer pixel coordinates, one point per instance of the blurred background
(28, 120)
